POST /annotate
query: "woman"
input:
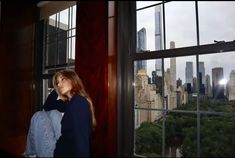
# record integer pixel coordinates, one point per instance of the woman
(78, 119)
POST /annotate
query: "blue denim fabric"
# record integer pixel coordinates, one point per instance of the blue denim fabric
(44, 131)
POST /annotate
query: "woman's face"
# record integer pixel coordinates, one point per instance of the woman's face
(64, 85)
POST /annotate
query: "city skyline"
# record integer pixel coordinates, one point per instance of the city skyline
(186, 36)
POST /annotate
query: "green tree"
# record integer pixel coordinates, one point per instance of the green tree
(149, 139)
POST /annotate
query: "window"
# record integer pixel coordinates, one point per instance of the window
(58, 47)
(183, 79)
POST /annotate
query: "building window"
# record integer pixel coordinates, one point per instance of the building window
(58, 42)
(184, 79)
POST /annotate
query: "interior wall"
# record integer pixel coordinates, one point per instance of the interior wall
(96, 65)
(17, 81)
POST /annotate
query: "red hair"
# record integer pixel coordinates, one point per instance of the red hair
(77, 88)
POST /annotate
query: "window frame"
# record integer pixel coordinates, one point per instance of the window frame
(42, 45)
(127, 55)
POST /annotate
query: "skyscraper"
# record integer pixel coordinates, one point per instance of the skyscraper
(217, 88)
(141, 46)
(231, 86)
(158, 38)
(173, 67)
(202, 71)
(189, 72)
(208, 91)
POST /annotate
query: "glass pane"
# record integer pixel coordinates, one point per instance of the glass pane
(148, 107)
(181, 135)
(216, 21)
(51, 54)
(63, 20)
(180, 24)
(51, 31)
(141, 4)
(47, 88)
(180, 83)
(73, 16)
(150, 29)
(217, 82)
(73, 50)
(148, 83)
(148, 137)
(52, 20)
(62, 52)
(217, 136)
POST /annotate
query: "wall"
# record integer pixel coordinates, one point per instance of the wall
(17, 74)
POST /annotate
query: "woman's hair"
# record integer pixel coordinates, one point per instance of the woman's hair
(77, 88)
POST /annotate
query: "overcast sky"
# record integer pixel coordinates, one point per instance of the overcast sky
(215, 23)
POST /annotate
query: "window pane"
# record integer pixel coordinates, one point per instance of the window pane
(150, 29)
(148, 91)
(72, 58)
(180, 24)
(148, 139)
(73, 16)
(181, 135)
(217, 136)
(180, 83)
(216, 21)
(59, 45)
(62, 49)
(47, 88)
(51, 54)
(63, 20)
(217, 82)
(148, 107)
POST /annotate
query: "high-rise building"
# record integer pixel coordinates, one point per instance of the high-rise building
(217, 88)
(141, 46)
(231, 86)
(202, 71)
(189, 73)
(158, 38)
(173, 68)
(208, 91)
(194, 86)
(201, 86)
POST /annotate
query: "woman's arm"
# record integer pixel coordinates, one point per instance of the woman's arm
(82, 125)
(53, 103)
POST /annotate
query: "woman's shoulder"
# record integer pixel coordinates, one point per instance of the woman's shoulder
(78, 99)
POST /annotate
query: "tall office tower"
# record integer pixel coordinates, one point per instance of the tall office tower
(202, 71)
(231, 86)
(141, 46)
(208, 91)
(173, 67)
(201, 86)
(158, 38)
(217, 88)
(189, 73)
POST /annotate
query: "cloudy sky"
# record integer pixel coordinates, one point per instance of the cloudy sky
(215, 23)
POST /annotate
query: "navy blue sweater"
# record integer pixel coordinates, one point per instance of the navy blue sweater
(76, 129)
(52, 103)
